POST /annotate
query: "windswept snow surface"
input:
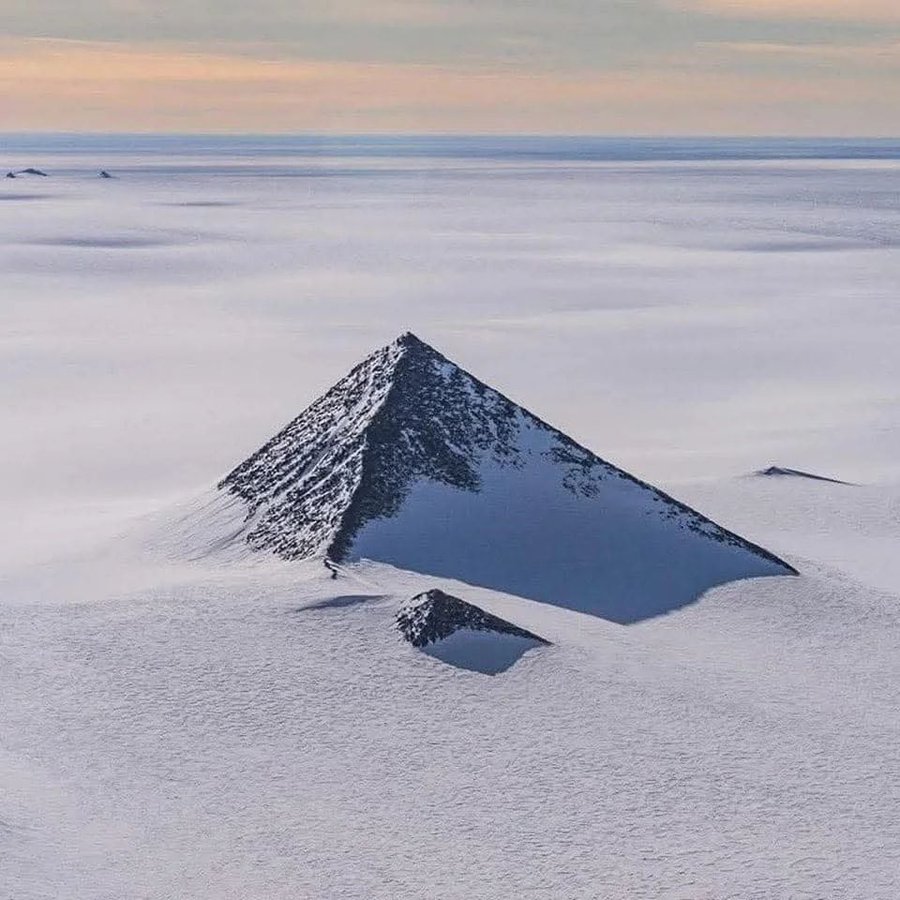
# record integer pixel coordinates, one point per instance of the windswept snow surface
(245, 732)
(854, 528)
(188, 719)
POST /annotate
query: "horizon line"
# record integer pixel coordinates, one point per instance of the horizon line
(493, 135)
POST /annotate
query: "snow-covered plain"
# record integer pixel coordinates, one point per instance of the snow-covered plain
(236, 726)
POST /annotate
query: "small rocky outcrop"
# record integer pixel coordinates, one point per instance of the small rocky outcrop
(783, 472)
(462, 635)
(434, 616)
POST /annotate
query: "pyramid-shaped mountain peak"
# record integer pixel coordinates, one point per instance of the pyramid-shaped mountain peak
(408, 343)
(410, 339)
(410, 460)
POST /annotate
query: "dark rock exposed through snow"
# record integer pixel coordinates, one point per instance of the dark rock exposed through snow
(782, 472)
(434, 616)
(462, 634)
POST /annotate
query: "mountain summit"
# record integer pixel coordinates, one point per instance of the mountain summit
(411, 461)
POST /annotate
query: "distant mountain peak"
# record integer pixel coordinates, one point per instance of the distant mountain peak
(784, 472)
(410, 339)
(410, 460)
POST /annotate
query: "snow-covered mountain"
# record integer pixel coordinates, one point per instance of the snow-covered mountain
(412, 461)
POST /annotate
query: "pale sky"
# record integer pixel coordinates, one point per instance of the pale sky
(768, 67)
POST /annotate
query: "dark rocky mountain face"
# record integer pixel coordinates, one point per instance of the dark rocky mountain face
(405, 413)
(299, 485)
(437, 423)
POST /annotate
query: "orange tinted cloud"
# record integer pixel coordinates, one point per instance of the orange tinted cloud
(875, 54)
(71, 85)
(847, 10)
